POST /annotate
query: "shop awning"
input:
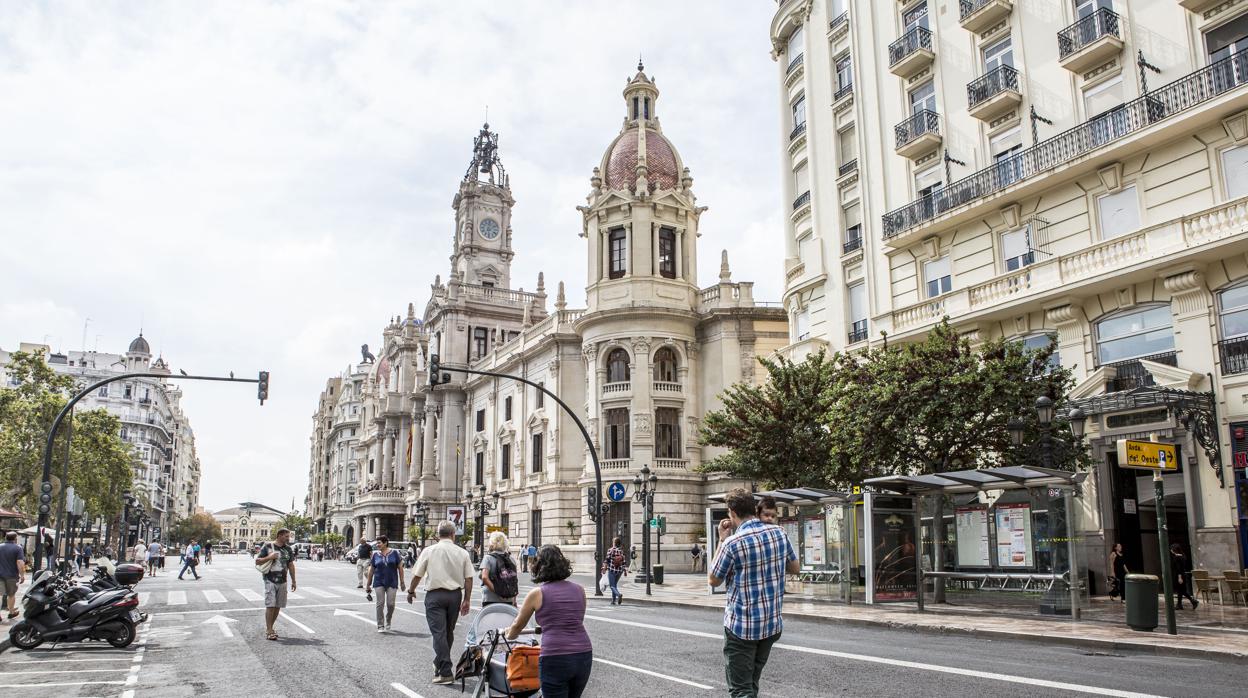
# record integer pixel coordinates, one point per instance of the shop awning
(1008, 478)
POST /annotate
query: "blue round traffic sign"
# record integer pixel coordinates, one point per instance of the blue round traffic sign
(616, 491)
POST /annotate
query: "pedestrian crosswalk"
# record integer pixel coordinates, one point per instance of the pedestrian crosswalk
(185, 597)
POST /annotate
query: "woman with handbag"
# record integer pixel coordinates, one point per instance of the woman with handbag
(385, 578)
(567, 655)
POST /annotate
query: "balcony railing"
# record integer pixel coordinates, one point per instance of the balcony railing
(618, 387)
(1132, 374)
(666, 387)
(970, 7)
(1160, 104)
(838, 20)
(913, 40)
(923, 122)
(797, 131)
(992, 83)
(858, 332)
(1234, 353)
(616, 463)
(846, 89)
(797, 60)
(853, 240)
(1103, 22)
(801, 201)
(670, 463)
(851, 166)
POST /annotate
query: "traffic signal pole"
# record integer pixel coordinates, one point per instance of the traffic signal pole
(45, 486)
(437, 375)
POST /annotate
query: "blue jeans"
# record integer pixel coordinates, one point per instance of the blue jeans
(613, 581)
(188, 566)
(565, 675)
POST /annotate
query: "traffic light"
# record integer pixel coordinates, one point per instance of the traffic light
(591, 501)
(262, 387)
(435, 369)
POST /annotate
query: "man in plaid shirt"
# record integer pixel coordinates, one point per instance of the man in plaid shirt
(753, 558)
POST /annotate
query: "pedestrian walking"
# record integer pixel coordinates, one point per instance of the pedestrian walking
(12, 572)
(276, 562)
(140, 553)
(155, 552)
(616, 566)
(632, 552)
(531, 552)
(385, 578)
(1117, 573)
(448, 571)
(567, 655)
(363, 553)
(1181, 568)
(87, 552)
(524, 558)
(189, 562)
(49, 550)
(696, 554)
(753, 558)
(499, 583)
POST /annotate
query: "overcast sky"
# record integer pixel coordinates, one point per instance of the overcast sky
(262, 185)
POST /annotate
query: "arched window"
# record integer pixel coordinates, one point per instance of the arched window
(665, 365)
(667, 433)
(617, 366)
(667, 253)
(618, 260)
(1135, 334)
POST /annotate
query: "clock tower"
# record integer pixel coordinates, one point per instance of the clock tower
(482, 250)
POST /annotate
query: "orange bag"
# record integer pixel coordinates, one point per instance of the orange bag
(522, 668)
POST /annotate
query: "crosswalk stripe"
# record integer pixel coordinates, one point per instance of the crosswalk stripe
(320, 593)
(347, 591)
(177, 598)
(249, 595)
(293, 595)
(214, 596)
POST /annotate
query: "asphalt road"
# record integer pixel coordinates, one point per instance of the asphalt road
(205, 638)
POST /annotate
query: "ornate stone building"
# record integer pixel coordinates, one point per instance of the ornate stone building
(640, 365)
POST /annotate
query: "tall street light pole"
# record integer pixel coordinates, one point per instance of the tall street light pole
(643, 491)
(482, 507)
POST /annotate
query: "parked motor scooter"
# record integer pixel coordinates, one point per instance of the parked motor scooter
(57, 610)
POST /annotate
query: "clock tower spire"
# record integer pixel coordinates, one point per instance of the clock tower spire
(482, 250)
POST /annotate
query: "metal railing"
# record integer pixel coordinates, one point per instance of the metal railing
(851, 166)
(922, 123)
(801, 201)
(858, 332)
(913, 40)
(1234, 353)
(797, 130)
(797, 60)
(1160, 104)
(990, 84)
(970, 7)
(853, 240)
(1132, 374)
(838, 20)
(846, 89)
(1103, 22)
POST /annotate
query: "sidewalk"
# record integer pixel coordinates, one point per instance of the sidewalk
(1211, 632)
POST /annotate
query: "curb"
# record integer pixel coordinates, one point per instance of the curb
(989, 634)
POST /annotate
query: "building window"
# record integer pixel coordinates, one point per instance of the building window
(480, 467)
(1016, 251)
(537, 453)
(999, 54)
(617, 436)
(857, 313)
(847, 145)
(129, 393)
(1042, 341)
(617, 366)
(1235, 171)
(1103, 104)
(801, 323)
(480, 341)
(928, 181)
(535, 527)
(795, 48)
(667, 253)
(915, 17)
(541, 397)
(504, 466)
(480, 420)
(799, 112)
(665, 365)
(807, 250)
(102, 392)
(1233, 311)
(1005, 148)
(370, 466)
(616, 243)
(504, 521)
(1133, 334)
(938, 276)
(507, 409)
(1119, 213)
(844, 73)
(1230, 39)
(667, 433)
(923, 98)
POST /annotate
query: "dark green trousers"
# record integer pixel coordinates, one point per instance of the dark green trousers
(745, 660)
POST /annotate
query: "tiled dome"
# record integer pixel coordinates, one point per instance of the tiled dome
(662, 170)
(139, 345)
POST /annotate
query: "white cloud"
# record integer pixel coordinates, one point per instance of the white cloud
(261, 185)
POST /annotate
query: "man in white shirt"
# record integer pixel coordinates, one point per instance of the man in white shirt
(448, 569)
(189, 561)
(140, 553)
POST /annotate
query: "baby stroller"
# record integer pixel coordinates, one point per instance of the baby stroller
(486, 642)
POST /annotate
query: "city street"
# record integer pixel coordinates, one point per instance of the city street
(206, 638)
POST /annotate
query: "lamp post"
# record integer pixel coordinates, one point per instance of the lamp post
(422, 519)
(481, 506)
(644, 485)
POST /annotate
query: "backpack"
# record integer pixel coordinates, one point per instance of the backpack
(503, 576)
(618, 558)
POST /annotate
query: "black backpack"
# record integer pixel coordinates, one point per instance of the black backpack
(503, 576)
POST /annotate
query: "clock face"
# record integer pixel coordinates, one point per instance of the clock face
(489, 228)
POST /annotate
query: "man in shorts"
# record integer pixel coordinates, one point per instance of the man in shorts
(278, 551)
(12, 572)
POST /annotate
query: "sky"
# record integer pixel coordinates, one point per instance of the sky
(262, 185)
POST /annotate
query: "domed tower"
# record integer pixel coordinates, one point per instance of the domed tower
(482, 250)
(139, 354)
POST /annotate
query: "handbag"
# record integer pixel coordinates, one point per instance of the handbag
(522, 674)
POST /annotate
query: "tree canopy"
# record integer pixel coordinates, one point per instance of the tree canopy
(300, 526)
(201, 527)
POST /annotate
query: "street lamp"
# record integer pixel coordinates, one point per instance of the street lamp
(644, 485)
(481, 507)
(422, 518)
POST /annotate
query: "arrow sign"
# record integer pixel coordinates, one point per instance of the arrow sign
(221, 623)
(616, 491)
(353, 614)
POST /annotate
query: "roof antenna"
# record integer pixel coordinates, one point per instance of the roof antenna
(487, 116)
(641, 68)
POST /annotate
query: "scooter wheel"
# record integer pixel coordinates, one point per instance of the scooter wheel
(25, 636)
(124, 635)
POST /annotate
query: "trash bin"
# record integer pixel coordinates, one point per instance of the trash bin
(657, 571)
(1142, 601)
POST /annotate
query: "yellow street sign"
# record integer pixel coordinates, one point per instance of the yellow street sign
(491, 529)
(1148, 455)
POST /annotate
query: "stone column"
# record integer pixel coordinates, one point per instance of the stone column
(405, 454)
(387, 457)
(415, 468)
(428, 436)
(451, 463)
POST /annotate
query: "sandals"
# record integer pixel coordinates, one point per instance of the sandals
(272, 636)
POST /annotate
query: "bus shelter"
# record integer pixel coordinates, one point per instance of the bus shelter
(994, 536)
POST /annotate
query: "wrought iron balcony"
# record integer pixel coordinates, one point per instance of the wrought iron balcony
(801, 201)
(1090, 41)
(993, 93)
(1132, 374)
(797, 60)
(846, 89)
(853, 240)
(851, 166)
(858, 332)
(918, 134)
(913, 50)
(978, 15)
(838, 20)
(1163, 103)
(797, 131)
(1234, 353)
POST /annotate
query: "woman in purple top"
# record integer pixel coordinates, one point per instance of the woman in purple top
(567, 655)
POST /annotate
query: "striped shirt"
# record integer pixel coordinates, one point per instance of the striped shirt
(752, 563)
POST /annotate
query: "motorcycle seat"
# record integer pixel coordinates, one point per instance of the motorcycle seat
(101, 599)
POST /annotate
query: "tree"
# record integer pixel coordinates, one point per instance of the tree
(200, 527)
(775, 431)
(329, 539)
(298, 524)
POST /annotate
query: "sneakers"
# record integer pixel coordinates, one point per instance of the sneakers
(381, 629)
(387, 627)
(443, 680)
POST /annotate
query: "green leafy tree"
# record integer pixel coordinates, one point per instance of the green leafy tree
(419, 532)
(300, 526)
(201, 527)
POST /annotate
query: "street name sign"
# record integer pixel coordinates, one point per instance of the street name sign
(1147, 455)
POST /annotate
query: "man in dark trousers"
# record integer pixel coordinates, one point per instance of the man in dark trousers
(448, 569)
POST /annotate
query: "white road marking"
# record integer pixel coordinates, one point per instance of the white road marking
(354, 614)
(51, 685)
(652, 673)
(320, 593)
(405, 690)
(72, 671)
(214, 596)
(992, 676)
(128, 694)
(177, 598)
(408, 610)
(63, 661)
(221, 621)
(347, 591)
(261, 608)
(305, 628)
(249, 594)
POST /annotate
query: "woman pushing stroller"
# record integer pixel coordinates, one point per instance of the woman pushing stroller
(559, 604)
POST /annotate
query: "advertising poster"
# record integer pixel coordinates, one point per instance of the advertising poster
(455, 514)
(893, 556)
(972, 527)
(1013, 535)
(792, 532)
(812, 543)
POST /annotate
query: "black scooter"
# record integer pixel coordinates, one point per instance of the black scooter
(58, 610)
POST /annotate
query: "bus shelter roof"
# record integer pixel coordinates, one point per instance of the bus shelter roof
(797, 496)
(1008, 478)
